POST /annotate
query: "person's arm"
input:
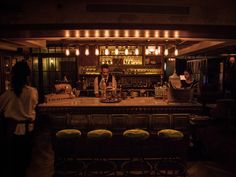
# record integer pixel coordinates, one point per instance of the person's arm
(96, 89)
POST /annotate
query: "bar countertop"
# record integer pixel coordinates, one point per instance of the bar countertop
(130, 105)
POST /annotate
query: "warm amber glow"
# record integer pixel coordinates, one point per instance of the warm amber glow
(137, 33)
(67, 33)
(157, 34)
(176, 34)
(77, 52)
(126, 51)
(147, 33)
(126, 33)
(116, 51)
(67, 52)
(77, 33)
(166, 34)
(86, 33)
(176, 52)
(97, 33)
(146, 51)
(136, 51)
(107, 52)
(117, 33)
(86, 51)
(157, 50)
(166, 52)
(107, 33)
(96, 51)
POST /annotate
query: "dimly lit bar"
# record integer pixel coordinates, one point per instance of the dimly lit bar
(117, 88)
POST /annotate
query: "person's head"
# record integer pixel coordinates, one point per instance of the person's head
(105, 70)
(19, 76)
(188, 74)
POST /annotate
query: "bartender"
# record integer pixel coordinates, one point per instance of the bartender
(189, 82)
(106, 77)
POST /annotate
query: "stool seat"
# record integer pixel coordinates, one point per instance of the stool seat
(170, 134)
(68, 133)
(136, 134)
(99, 134)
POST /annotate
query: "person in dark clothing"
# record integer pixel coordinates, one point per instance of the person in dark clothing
(104, 77)
(18, 105)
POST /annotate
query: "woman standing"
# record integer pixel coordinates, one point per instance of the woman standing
(18, 105)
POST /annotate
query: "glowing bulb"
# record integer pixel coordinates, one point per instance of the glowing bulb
(126, 51)
(136, 51)
(77, 52)
(67, 52)
(146, 51)
(116, 51)
(96, 51)
(107, 52)
(86, 51)
(166, 52)
(176, 52)
(157, 51)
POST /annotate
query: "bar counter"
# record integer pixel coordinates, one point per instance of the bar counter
(88, 105)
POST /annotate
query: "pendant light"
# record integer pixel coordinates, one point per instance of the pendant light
(96, 51)
(107, 52)
(86, 51)
(67, 52)
(126, 51)
(136, 51)
(116, 50)
(77, 52)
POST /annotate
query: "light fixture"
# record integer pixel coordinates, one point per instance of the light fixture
(136, 51)
(176, 51)
(126, 51)
(157, 50)
(107, 52)
(146, 50)
(166, 52)
(116, 50)
(77, 52)
(86, 51)
(67, 52)
(96, 51)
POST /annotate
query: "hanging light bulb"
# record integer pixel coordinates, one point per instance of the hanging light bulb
(107, 52)
(136, 51)
(176, 52)
(157, 50)
(116, 51)
(96, 51)
(86, 51)
(77, 52)
(67, 52)
(126, 51)
(146, 51)
(166, 52)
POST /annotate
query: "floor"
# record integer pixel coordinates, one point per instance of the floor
(213, 156)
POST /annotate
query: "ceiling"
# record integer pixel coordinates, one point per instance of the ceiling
(190, 41)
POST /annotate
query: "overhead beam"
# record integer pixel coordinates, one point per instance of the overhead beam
(199, 46)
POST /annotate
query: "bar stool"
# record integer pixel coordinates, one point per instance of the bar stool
(170, 165)
(66, 159)
(136, 165)
(100, 166)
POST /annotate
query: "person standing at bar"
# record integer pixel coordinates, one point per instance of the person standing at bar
(18, 105)
(104, 78)
(190, 83)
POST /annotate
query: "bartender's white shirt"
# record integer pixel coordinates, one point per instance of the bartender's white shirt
(20, 108)
(96, 84)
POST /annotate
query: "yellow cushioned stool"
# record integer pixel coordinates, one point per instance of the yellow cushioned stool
(136, 165)
(170, 134)
(171, 163)
(67, 162)
(100, 166)
(68, 133)
(99, 134)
